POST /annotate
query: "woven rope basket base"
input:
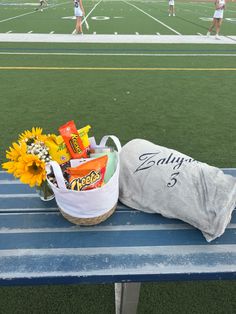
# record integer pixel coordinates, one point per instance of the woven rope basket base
(88, 221)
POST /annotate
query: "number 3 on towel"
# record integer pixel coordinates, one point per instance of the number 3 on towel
(173, 180)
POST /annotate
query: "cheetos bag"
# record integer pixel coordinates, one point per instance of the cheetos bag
(156, 179)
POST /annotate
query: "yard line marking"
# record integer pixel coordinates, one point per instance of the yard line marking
(31, 12)
(173, 30)
(113, 69)
(85, 18)
(18, 4)
(123, 54)
(15, 17)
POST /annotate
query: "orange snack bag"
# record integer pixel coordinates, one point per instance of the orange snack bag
(89, 175)
(72, 140)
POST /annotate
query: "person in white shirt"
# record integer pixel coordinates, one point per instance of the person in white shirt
(171, 9)
(217, 18)
(79, 13)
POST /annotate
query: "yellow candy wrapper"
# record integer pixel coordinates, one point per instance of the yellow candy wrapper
(83, 133)
(57, 149)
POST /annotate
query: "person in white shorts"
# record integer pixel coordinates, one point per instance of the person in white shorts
(171, 9)
(79, 13)
(217, 17)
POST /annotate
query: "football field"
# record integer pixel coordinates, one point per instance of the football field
(133, 17)
(135, 73)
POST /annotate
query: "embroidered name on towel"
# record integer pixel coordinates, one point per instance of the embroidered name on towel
(151, 159)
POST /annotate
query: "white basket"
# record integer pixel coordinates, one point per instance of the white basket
(88, 207)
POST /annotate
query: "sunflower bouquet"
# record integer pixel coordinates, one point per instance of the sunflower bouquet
(27, 159)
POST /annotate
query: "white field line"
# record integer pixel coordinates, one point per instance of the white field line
(17, 16)
(173, 30)
(31, 12)
(123, 54)
(85, 18)
(111, 38)
(18, 4)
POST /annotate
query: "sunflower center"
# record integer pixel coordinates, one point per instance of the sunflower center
(34, 168)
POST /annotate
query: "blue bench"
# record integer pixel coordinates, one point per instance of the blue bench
(38, 246)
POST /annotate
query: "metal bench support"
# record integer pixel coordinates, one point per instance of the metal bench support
(127, 297)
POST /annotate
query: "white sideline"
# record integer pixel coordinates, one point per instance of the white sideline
(91, 38)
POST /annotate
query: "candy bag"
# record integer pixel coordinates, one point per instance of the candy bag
(88, 175)
(57, 149)
(72, 140)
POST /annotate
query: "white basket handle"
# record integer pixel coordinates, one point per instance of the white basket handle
(58, 175)
(115, 140)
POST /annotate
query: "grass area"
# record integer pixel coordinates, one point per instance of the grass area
(162, 298)
(191, 110)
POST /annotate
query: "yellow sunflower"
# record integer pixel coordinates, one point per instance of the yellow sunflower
(33, 135)
(14, 153)
(11, 167)
(31, 170)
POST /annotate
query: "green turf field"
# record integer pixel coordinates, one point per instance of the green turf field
(179, 96)
(109, 17)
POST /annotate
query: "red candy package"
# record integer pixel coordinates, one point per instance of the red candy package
(88, 175)
(72, 140)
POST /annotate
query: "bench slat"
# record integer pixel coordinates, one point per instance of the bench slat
(109, 238)
(88, 263)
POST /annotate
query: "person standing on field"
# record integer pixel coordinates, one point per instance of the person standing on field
(171, 9)
(79, 13)
(217, 18)
(42, 3)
